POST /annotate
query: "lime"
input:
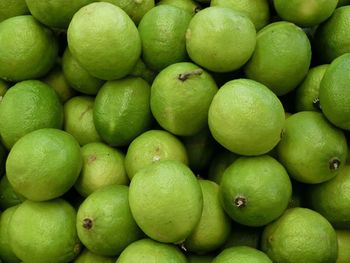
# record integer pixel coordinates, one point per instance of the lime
(334, 97)
(219, 163)
(220, 39)
(343, 237)
(166, 201)
(331, 38)
(141, 70)
(8, 196)
(311, 149)
(305, 13)
(6, 252)
(300, 235)
(153, 146)
(88, 257)
(281, 58)
(189, 6)
(122, 111)
(55, 13)
(89, 45)
(102, 166)
(332, 198)
(180, 98)
(246, 117)
(12, 8)
(307, 93)
(149, 251)
(27, 49)
(241, 254)
(104, 221)
(77, 77)
(28, 106)
(242, 235)
(44, 164)
(214, 227)
(257, 10)
(162, 31)
(193, 258)
(78, 119)
(255, 190)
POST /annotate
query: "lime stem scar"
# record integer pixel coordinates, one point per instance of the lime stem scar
(240, 201)
(87, 223)
(334, 163)
(184, 76)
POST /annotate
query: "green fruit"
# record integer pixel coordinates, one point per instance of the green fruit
(244, 236)
(343, 237)
(12, 8)
(142, 71)
(242, 254)
(8, 196)
(200, 259)
(89, 257)
(189, 6)
(219, 163)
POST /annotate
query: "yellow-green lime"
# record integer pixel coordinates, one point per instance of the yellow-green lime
(307, 93)
(122, 110)
(305, 13)
(331, 38)
(214, 227)
(331, 199)
(77, 77)
(78, 119)
(28, 49)
(8, 196)
(4, 86)
(281, 58)
(300, 235)
(44, 164)
(257, 10)
(343, 237)
(189, 6)
(311, 149)
(180, 98)
(55, 13)
(88, 43)
(153, 146)
(104, 221)
(218, 164)
(166, 201)
(162, 31)
(88, 257)
(193, 258)
(334, 97)
(149, 251)
(6, 253)
(255, 190)
(220, 39)
(242, 235)
(246, 117)
(12, 8)
(241, 254)
(28, 106)
(141, 70)
(102, 166)
(44, 232)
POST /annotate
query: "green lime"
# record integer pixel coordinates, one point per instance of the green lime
(219, 163)
(162, 31)
(122, 110)
(246, 117)
(332, 198)
(150, 251)
(307, 93)
(44, 232)
(104, 221)
(343, 237)
(242, 235)
(88, 257)
(55, 13)
(257, 10)
(193, 258)
(166, 201)
(220, 39)
(8, 196)
(28, 50)
(102, 166)
(241, 254)
(89, 45)
(332, 37)
(4, 86)
(153, 146)
(311, 149)
(28, 106)
(214, 227)
(12, 8)
(255, 190)
(305, 13)
(44, 164)
(189, 6)
(300, 235)
(77, 77)
(334, 97)
(78, 119)
(6, 252)
(180, 98)
(142, 71)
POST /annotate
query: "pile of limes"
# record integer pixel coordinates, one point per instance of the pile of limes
(174, 131)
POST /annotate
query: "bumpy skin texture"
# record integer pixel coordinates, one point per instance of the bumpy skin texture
(42, 232)
(308, 147)
(89, 257)
(166, 186)
(190, 6)
(149, 251)
(12, 8)
(27, 49)
(105, 58)
(300, 235)
(242, 254)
